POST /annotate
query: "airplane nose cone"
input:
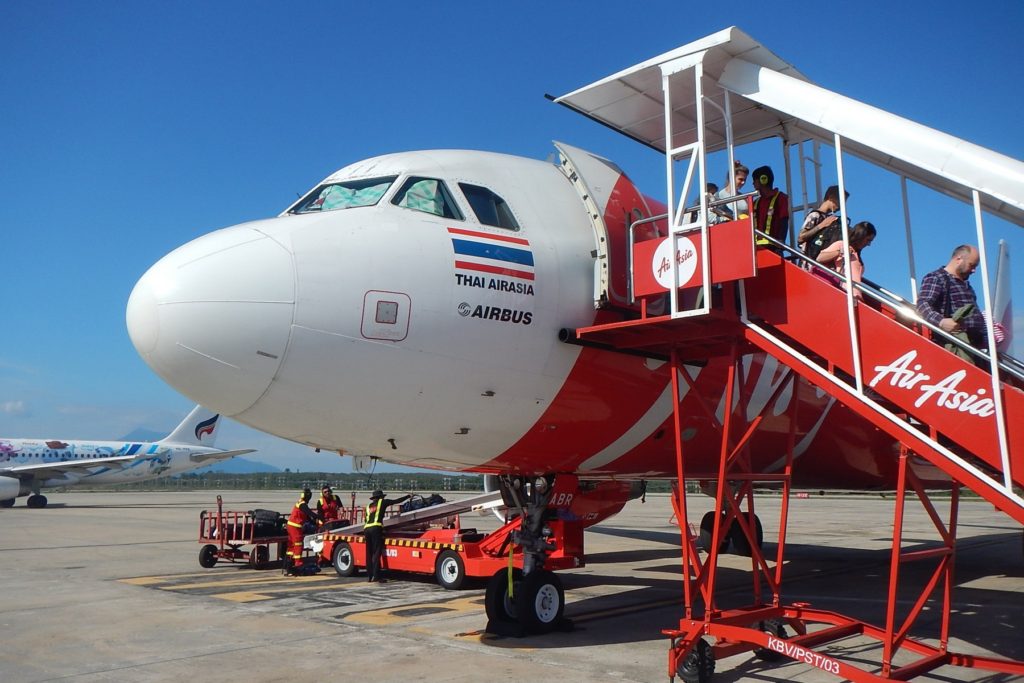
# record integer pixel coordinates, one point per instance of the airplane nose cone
(213, 317)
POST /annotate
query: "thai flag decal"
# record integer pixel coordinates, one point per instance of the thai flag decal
(206, 427)
(482, 252)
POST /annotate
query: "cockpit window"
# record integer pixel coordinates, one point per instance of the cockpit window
(346, 194)
(490, 209)
(429, 195)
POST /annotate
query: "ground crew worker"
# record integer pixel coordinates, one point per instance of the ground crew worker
(373, 530)
(300, 516)
(329, 506)
(771, 206)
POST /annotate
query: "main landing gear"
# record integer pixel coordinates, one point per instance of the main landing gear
(36, 500)
(734, 537)
(530, 600)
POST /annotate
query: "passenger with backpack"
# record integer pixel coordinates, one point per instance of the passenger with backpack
(833, 256)
(821, 226)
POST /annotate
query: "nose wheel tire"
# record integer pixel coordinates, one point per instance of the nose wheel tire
(500, 607)
(450, 571)
(540, 602)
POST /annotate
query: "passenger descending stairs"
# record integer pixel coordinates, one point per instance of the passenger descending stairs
(931, 400)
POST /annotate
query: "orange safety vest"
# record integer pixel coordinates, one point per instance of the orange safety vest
(298, 515)
(329, 507)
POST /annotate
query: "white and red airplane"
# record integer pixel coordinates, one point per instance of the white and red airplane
(409, 308)
(27, 466)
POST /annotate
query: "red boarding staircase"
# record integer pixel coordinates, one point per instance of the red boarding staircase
(934, 404)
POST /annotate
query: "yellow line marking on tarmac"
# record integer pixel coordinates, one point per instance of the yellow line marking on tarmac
(254, 596)
(388, 616)
(149, 580)
(143, 580)
(247, 582)
(242, 596)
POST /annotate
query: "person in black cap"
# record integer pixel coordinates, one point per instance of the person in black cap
(373, 530)
(771, 206)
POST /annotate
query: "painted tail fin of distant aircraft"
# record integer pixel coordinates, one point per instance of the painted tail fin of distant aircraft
(1002, 303)
(198, 429)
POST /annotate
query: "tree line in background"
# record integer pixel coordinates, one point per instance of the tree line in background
(391, 482)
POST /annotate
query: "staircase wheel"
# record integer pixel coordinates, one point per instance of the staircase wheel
(773, 627)
(699, 664)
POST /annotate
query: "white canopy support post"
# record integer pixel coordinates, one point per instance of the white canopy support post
(705, 237)
(847, 275)
(670, 191)
(697, 159)
(993, 358)
(786, 151)
(910, 240)
(805, 200)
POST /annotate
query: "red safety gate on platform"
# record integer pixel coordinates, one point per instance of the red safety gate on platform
(732, 258)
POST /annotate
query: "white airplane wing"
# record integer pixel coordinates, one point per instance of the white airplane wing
(66, 466)
(219, 455)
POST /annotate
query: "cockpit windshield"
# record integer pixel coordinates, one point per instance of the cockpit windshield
(346, 194)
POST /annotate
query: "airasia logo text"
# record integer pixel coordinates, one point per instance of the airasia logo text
(946, 393)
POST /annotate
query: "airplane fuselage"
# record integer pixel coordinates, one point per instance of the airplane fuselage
(424, 333)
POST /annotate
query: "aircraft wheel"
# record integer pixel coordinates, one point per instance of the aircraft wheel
(259, 558)
(707, 528)
(8, 503)
(451, 570)
(699, 664)
(773, 627)
(740, 542)
(500, 607)
(208, 556)
(342, 559)
(36, 501)
(540, 602)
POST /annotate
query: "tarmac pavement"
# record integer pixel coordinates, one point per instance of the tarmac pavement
(107, 587)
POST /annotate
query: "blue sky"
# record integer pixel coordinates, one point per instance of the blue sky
(131, 128)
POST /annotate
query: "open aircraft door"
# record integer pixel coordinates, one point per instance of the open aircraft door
(613, 204)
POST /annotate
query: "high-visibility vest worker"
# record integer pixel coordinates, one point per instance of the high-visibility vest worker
(329, 505)
(771, 207)
(375, 513)
(373, 530)
(300, 515)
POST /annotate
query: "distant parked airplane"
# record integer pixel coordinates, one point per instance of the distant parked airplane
(29, 465)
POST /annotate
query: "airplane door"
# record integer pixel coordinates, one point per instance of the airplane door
(386, 315)
(612, 202)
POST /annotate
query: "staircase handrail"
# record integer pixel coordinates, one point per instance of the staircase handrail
(905, 309)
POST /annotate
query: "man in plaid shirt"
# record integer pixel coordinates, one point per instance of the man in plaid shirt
(946, 289)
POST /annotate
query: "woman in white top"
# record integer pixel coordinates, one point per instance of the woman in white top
(738, 209)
